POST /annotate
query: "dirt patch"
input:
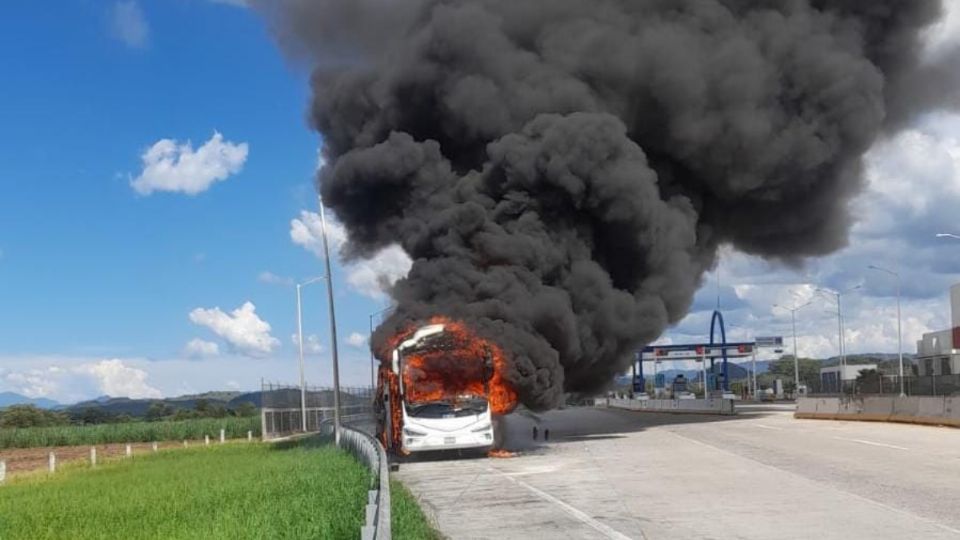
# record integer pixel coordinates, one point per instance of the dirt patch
(31, 459)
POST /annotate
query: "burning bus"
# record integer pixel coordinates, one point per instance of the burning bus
(440, 388)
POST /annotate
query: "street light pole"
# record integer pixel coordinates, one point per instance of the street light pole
(303, 387)
(899, 326)
(370, 343)
(333, 326)
(843, 353)
(796, 359)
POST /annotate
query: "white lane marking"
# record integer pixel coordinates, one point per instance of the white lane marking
(763, 426)
(605, 530)
(819, 484)
(871, 443)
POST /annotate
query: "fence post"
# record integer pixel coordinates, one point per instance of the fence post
(129, 451)
(223, 436)
(249, 436)
(154, 446)
(3, 471)
(93, 456)
(52, 462)
(184, 443)
(206, 440)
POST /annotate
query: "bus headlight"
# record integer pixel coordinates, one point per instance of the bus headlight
(481, 428)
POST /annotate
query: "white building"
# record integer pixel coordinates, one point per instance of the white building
(938, 353)
(849, 372)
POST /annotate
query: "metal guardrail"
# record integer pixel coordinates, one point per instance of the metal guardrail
(368, 449)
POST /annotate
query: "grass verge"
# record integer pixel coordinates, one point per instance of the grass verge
(128, 432)
(408, 521)
(229, 491)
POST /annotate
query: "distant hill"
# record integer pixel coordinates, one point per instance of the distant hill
(11, 398)
(869, 358)
(138, 407)
(227, 399)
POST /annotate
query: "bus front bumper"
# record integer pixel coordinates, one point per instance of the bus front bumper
(451, 441)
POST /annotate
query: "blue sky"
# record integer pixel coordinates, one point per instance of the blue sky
(134, 264)
(90, 268)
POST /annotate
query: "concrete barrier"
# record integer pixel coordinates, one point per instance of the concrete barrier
(877, 408)
(817, 407)
(951, 411)
(929, 410)
(678, 406)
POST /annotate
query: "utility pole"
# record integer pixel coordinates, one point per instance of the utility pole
(333, 325)
(796, 359)
(303, 386)
(899, 325)
(843, 354)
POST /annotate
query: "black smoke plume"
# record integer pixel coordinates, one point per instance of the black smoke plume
(562, 172)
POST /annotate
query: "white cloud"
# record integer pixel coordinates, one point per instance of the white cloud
(116, 379)
(370, 277)
(68, 379)
(34, 383)
(80, 381)
(129, 24)
(243, 330)
(170, 166)
(273, 279)
(198, 348)
(311, 344)
(356, 339)
(913, 191)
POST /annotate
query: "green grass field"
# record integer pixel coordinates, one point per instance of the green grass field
(128, 432)
(230, 491)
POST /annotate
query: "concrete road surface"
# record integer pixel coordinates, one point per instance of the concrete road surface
(762, 474)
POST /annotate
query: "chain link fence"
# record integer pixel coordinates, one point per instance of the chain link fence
(882, 384)
(282, 412)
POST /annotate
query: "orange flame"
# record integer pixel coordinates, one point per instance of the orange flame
(458, 365)
(500, 453)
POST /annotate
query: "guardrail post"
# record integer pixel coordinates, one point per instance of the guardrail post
(223, 436)
(206, 440)
(249, 436)
(155, 446)
(129, 451)
(3, 471)
(93, 456)
(52, 462)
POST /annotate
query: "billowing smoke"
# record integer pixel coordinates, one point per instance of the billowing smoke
(562, 172)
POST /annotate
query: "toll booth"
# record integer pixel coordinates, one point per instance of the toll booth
(714, 383)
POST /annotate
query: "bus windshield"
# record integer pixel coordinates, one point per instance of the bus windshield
(447, 409)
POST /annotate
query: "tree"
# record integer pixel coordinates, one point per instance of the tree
(92, 415)
(23, 416)
(784, 369)
(158, 410)
(245, 409)
(201, 406)
(184, 414)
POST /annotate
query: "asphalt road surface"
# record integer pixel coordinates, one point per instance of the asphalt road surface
(762, 474)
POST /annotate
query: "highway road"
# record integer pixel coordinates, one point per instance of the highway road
(761, 474)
